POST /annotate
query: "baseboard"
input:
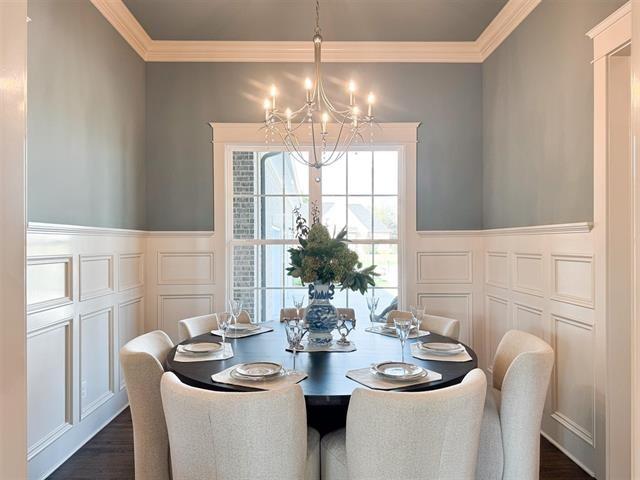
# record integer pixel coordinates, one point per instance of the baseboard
(571, 457)
(84, 442)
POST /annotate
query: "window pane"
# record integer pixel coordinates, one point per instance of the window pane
(386, 259)
(334, 178)
(272, 181)
(365, 253)
(360, 171)
(296, 176)
(289, 204)
(359, 217)
(385, 173)
(244, 173)
(358, 302)
(339, 298)
(272, 217)
(334, 213)
(271, 265)
(291, 294)
(385, 217)
(272, 304)
(388, 301)
(244, 217)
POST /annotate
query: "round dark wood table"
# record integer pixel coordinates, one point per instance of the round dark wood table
(327, 390)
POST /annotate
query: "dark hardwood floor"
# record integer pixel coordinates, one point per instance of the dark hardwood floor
(109, 456)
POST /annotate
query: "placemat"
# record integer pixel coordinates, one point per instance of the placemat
(364, 377)
(332, 347)
(273, 384)
(260, 330)
(380, 331)
(223, 354)
(421, 354)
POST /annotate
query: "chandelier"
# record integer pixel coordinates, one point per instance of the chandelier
(330, 128)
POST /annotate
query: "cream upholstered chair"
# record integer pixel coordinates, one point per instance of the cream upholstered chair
(397, 315)
(449, 327)
(142, 361)
(290, 312)
(510, 435)
(194, 326)
(350, 313)
(239, 436)
(427, 435)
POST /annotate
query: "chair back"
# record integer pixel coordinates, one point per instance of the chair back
(449, 327)
(244, 317)
(397, 315)
(290, 312)
(235, 436)
(142, 360)
(521, 372)
(426, 435)
(349, 313)
(194, 326)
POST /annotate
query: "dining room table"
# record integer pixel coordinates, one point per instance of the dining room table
(326, 388)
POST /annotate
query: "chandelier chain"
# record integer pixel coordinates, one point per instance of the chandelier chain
(317, 16)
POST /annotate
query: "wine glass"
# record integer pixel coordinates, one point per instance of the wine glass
(224, 320)
(295, 331)
(298, 303)
(417, 314)
(403, 327)
(236, 307)
(372, 305)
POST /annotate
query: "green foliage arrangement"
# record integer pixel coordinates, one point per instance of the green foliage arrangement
(320, 258)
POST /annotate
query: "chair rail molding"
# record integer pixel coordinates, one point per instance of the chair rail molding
(476, 51)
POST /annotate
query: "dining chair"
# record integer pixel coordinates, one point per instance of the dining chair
(290, 312)
(448, 327)
(428, 435)
(398, 315)
(510, 434)
(142, 360)
(194, 326)
(349, 313)
(239, 436)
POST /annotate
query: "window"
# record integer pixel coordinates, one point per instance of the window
(360, 191)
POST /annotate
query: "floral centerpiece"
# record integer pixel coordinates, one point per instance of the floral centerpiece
(323, 261)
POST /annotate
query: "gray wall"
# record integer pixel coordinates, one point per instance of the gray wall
(183, 97)
(86, 119)
(538, 118)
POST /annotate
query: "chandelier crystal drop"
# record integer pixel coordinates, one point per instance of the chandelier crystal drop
(329, 128)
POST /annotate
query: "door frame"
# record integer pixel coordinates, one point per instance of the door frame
(13, 376)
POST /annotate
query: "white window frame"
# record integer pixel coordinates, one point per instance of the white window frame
(228, 138)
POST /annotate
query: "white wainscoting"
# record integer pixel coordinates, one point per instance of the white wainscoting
(538, 279)
(545, 284)
(85, 295)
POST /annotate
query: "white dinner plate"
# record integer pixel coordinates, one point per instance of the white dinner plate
(398, 370)
(243, 327)
(441, 348)
(258, 369)
(202, 348)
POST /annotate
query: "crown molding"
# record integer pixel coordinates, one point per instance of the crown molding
(507, 20)
(611, 20)
(511, 15)
(118, 15)
(302, 52)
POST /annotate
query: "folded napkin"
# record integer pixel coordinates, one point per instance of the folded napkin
(369, 379)
(242, 334)
(424, 355)
(182, 356)
(332, 347)
(270, 384)
(379, 329)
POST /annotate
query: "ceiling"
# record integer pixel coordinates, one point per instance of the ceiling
(289, 20)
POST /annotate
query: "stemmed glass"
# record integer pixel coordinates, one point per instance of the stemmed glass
(298, 303)
(236, 307)
(417, 314)
(403, 327)
(372, 305)
(295, 332)
(224, 320)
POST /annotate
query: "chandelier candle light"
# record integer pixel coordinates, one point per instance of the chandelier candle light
(309, 124)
